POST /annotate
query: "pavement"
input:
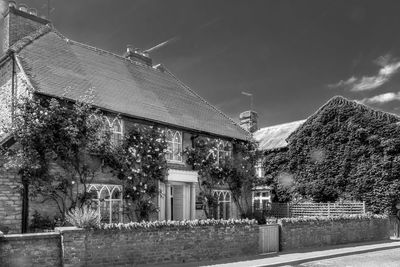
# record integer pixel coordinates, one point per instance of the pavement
(303, 256)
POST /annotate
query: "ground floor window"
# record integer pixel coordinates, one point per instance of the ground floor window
(223, 208)
(261, 199)
(107, 199)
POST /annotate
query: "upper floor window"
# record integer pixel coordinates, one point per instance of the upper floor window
(222, 152)
(116, 127)
(259, 170)
(174, 142)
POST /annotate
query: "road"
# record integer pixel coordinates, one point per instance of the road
(381, 258)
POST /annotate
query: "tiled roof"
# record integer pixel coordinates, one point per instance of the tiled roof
(55, 64)
(274, 137)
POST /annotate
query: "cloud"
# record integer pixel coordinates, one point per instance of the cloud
(382, 98)
(389, 67)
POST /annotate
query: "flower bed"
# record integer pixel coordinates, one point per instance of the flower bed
(175, 224)
(333, 218)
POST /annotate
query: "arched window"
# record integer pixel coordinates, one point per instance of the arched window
(107, 199)
(223, 209)
(174, 142)
(116, 128)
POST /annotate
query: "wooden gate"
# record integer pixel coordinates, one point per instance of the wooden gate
(269, 238)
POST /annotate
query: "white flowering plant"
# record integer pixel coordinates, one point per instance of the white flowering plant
(366, 216)
(175, 224)
(57, 132)
(139, 162)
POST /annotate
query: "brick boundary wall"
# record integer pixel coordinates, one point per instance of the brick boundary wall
(296, 235)
(124, 247)
(42, 249)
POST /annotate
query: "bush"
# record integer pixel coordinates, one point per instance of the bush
(40, 222)
(83, 218)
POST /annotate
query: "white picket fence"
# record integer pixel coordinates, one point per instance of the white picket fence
(326, 209)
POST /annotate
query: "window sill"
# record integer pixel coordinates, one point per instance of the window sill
(176, 162)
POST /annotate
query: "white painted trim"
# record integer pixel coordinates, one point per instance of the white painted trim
(182, 176)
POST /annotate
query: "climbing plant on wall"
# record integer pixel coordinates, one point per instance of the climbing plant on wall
(235, 173)
(344, 151)
(139, 162)
(55, 140)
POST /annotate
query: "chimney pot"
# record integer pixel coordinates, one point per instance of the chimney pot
(12, 4)
(135, 54)
(32, 11)
(23, 7)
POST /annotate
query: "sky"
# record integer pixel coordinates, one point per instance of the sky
(292, 55)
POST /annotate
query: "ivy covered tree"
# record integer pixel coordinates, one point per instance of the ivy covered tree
(55, 143)
(139, 161)
(235, 173)
(344, 151)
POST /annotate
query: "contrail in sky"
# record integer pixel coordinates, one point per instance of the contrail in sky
(176, 38)
(171, 40)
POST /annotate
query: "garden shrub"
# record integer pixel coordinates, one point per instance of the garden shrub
(84, 217)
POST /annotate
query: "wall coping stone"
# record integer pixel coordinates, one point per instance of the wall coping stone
(17, 237)
(67, 229)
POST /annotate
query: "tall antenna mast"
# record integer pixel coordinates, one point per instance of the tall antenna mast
(251, 99)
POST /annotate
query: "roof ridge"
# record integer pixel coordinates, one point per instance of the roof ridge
(281, 124)
(205, 101)
(103, 51)
(341, 101)
(26, 40)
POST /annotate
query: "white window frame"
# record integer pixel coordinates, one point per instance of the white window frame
(260, 198)
(109, 189)
(225, 194)
(219, 151)
(116, 133)
(176, 157)
(259, 169)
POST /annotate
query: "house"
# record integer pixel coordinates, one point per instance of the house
(129, 89)
(344, 150)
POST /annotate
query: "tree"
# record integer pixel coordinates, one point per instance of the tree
(56, 143)
(139, 162)
(234, 173)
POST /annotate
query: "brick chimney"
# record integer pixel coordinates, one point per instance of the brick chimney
(135, 54)
(249, 120)
(18, 22)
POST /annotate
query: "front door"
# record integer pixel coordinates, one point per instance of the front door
(180, 204)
